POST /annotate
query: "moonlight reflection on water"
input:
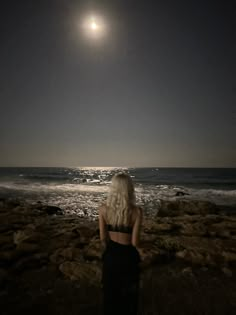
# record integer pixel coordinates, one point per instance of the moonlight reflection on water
(80, 190)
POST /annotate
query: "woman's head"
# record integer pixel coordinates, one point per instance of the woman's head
(120, 199)
(122, 183)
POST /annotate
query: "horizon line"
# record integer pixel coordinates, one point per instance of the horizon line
(114, 167)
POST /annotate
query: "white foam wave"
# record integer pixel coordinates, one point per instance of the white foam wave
(220, 197)
(100, 168)
(50, 187)
(85, 198)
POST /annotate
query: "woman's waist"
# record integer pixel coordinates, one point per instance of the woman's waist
(118, 252)
(121, 244)
(120, 238)
(116, 247)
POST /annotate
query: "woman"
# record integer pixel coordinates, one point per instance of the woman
(119, 224)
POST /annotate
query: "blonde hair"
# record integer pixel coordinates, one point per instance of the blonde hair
(120, 200)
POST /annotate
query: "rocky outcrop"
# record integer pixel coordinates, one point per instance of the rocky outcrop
(50, 210)
(169, 208)
(84, 272)
(193, 233)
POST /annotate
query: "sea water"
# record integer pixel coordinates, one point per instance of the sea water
(80, 190)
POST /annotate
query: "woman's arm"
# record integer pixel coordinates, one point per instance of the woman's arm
(136, 228)
(102, 227)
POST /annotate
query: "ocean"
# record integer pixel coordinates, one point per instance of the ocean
(80, 190)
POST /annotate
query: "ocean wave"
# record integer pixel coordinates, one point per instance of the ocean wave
(144, 193)
(37, 187)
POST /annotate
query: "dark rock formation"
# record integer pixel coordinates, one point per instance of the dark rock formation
(188, 233)
(181, 193)
(170, 208)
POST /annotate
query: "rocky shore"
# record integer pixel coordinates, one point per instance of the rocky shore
(50, 263)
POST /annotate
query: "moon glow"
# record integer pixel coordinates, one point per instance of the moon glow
(94, 27)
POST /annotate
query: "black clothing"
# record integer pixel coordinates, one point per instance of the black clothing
(120, 279)
(120, 228)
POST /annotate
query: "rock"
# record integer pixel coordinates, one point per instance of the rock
(4, 228)
(41, 256)
(21, 236)
(85, 272)
(187, 271)
(194, 229)
(27, 248)
(227, 271)
(181, 193)
(86, 232)
(162, 228)
(94, 250)
(187, 230)
(8, 256)
(50, 210)
(6, 239)
(230, 257)
(151, 255)
(30, 234)
(64, 254)
(10, 203)
(182, 206)
(29, 262)
(3, 277)
(191, 256)
(169, 244)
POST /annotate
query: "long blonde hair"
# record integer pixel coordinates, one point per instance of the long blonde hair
(120, 200)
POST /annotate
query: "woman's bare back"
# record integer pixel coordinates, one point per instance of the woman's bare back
(121, 237)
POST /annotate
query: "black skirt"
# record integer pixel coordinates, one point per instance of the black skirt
(120, 279)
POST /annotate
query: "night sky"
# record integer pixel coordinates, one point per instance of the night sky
(155, 90)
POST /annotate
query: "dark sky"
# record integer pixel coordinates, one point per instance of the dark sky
(156, 90)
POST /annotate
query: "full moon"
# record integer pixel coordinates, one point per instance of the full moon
(94, 27)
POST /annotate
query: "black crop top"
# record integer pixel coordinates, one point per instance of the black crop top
(120, 228)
